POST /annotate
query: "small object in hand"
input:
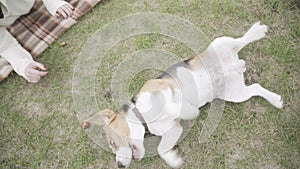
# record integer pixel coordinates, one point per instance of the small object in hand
(63, 43)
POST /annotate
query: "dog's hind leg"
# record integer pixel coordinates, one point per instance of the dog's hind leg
(227, 48)
(256, 32)
(168, 141)
(243, 93)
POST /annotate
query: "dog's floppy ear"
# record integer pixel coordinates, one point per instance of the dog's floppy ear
(101, 118)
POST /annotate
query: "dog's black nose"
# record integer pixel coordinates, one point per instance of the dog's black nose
(120, 165)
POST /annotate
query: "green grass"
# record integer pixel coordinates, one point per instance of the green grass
(38, 122)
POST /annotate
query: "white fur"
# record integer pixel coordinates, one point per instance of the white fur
(226, 50)
(137, 132)
(172, 159)
(221, 77)
(160, 116)
(144, 103)
(123, 156)
(168, 140)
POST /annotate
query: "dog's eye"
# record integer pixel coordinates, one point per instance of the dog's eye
(112, 143)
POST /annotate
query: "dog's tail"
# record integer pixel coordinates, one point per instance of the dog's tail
(256, 32)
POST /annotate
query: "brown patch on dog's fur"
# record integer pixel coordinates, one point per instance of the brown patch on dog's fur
(195, 63)
(155, 86)
(114, 125)
(118, 132)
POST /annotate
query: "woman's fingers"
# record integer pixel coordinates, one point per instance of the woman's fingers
(38, 65)
(35, 73)
(65, 11)
(32, 73)
(61, 12)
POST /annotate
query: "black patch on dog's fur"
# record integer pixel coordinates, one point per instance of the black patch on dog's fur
(171, 72)
(133, 99)
(1, 14)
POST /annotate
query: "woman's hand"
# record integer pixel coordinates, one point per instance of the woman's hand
(32, 72)
(65, 11)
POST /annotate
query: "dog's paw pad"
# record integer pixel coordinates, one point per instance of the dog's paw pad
(172, 159)
(178, 150)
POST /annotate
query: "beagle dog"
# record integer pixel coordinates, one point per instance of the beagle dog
(177, 94)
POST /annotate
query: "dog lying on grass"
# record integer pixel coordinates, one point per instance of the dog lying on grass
(217, 73)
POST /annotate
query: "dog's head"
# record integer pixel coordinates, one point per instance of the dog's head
(124, 136)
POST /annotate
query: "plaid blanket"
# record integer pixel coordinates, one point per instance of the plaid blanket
(36, 30)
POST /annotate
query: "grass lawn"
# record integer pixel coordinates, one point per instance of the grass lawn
(38, 122)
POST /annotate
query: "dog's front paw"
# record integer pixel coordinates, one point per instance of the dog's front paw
(172, 158)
